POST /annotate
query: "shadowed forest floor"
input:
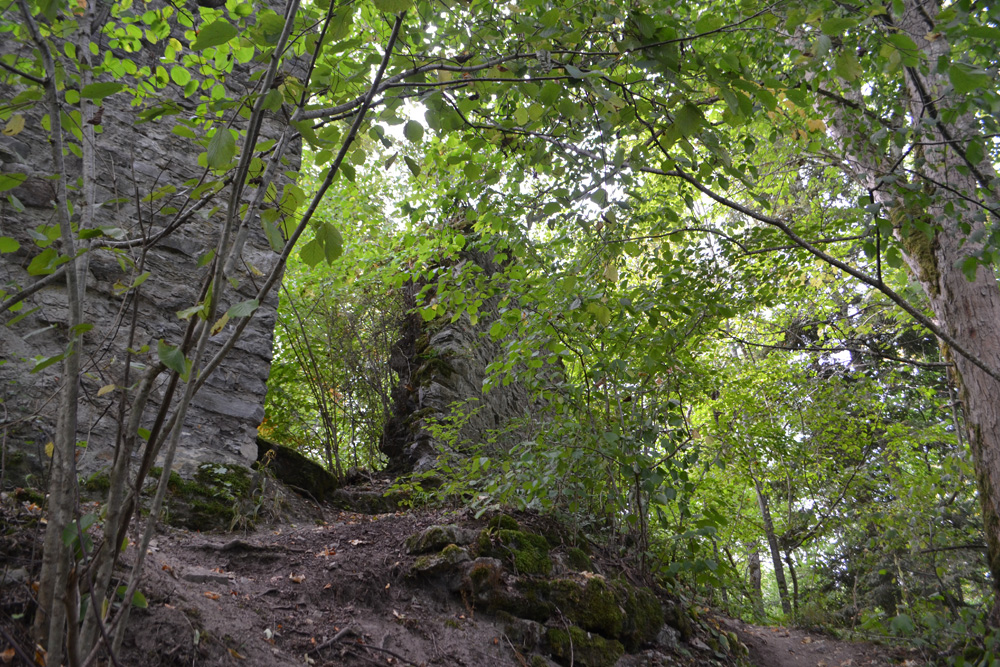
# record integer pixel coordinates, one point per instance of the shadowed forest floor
(341, 592)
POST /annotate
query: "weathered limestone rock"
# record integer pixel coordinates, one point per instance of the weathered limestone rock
(133, 161)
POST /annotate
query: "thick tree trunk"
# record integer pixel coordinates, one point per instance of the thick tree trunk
(968, 310)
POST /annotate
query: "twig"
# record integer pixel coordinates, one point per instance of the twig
(388, 652)
(17, 647)
(336, 638)
(517, 654)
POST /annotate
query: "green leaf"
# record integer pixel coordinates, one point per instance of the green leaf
(11, 181)
(837, 26)
(139, 600)
(688, 119)
(221, 148)
(98, 91)
(412, 164)
(179, 75)
(908, 49)
(8, 244)
(970, 266)
(847, 66)
(392, 6)
(45, 262)
(42, 363)
(244, 308)
(965, 79)
(213, 34)
(413, 131)
(193, 310)
(273, 100)
(171, 357)
(333, 242)
(974, 152)
(312, 253)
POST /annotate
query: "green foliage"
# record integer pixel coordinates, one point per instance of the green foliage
(646, 181)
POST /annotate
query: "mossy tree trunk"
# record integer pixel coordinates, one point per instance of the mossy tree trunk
(937, 211)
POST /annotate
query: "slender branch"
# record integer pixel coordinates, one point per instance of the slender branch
(929, 324)
(841, 348)
(29, 77)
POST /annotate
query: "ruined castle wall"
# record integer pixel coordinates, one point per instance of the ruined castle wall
(440, 406)
(133, 160)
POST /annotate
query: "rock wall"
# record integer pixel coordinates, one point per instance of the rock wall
(133, 160)
(439, 405)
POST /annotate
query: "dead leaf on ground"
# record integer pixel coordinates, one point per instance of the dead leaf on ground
(235, 654)
(7, 655)
(297, 578)
(211, 596)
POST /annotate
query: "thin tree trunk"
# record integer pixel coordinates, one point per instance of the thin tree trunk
(772, 541)
(795, 582)
(754, 578)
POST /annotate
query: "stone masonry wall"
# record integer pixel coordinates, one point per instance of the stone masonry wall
(133, 160)
(441, 367)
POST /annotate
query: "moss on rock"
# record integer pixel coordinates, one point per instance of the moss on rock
(504, 522)
(210, 501)
(579, 560)
(527, 552)
(677, 617)
(615, 609)
(643, 615)
(593, 605)
(99, 482)
(436, 538)
(579, 647)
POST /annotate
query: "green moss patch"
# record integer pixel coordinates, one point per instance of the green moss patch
(209, 501)
(586, 649)
(526, 552)
(436, 538)
(99, 482)
(504, 522)
(593, 606)
(578, 560)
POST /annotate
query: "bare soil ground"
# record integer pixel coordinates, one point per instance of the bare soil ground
(340, 592)
(785, 647)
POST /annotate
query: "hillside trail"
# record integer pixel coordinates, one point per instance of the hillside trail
(775, 646)
(336, 589)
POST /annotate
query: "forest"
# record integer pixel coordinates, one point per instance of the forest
(728, 267)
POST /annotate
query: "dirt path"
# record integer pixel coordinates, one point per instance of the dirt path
(340, 593)
(783, 647)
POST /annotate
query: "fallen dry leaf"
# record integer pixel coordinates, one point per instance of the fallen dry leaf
(7, 655)
(297, 578)
(210, 595)
(355, 543)
(236, 655)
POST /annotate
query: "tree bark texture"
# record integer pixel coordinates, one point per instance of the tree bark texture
(952, 191)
